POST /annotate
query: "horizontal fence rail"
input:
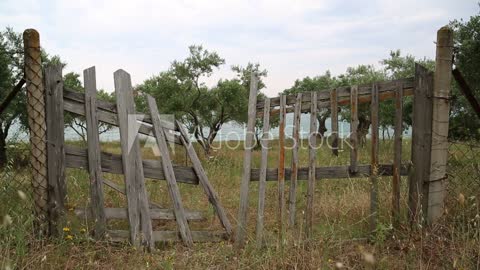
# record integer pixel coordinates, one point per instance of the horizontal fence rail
(74, 103)
(76, 157)
(386, 90)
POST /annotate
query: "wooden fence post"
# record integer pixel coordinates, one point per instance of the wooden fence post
(374, 108)
(292, 199)
(421, 139)
(397, 155)
(262, 185)
(57, 189)
(312, 158)
(38, 128)
(137, 199)
(353, 129)
(281, 168)
(94, 156)
(247, 163)
(441, 107)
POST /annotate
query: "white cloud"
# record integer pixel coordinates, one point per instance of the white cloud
(292, 39)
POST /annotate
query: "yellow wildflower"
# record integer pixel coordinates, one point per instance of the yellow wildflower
(66, 229)
(69, 237)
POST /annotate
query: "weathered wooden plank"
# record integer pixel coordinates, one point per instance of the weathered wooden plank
(421, 138)
(111, 118)
(247, 163)
(106, 106)
(93, 144)
(76, 157)
(296, 145)
(262, 186)
(374, 159)
(171, 236)
(122, 190)
(203, 179)
(386, 90)
(172, 186)
(342, 101)
(132, 163)
(312, 145)
(114, 186)
(281, 169)
(55, 144)
(331, 172)
(397, 156)
(353, 128)
(155, 214)
(334, 119)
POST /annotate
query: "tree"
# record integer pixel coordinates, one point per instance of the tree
(179, 91)
(244, 75)
(399, 67)
(323, 82)
(464, 123)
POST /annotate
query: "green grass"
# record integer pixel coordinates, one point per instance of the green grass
(341, 222)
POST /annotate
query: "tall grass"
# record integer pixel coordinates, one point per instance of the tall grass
(340, 234)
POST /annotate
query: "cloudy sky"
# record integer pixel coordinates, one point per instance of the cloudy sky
(291, 39)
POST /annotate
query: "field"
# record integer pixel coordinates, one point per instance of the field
(341, 236)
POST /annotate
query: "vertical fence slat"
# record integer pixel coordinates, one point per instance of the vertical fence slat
(203, 179)
(167, 166)
(296, 141)
(397, 155)
(263, 173)
(353, 128)
(421, 139)
(138, 209)
(334, 114)
(94, 161)
(374, 160)
(312, 137)
(247, 163)
(281, 169)
(55, 145)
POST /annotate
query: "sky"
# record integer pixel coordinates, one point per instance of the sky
(291, 39)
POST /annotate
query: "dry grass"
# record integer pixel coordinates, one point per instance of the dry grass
(340, 233)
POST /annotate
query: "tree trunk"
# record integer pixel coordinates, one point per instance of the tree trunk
(258, 139)
(3, 149)
(321, 125)
(362, 130)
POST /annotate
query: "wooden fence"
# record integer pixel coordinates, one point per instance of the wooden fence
(422, 198)
(139, 211)
(50, 156)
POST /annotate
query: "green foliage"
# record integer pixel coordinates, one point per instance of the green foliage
(180, 91)
(464, 123)
(392, 68)
(398, 67)
(244, 74)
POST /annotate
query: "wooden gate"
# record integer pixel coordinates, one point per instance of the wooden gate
(426, 170)
(139, 210)
(310, 103)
